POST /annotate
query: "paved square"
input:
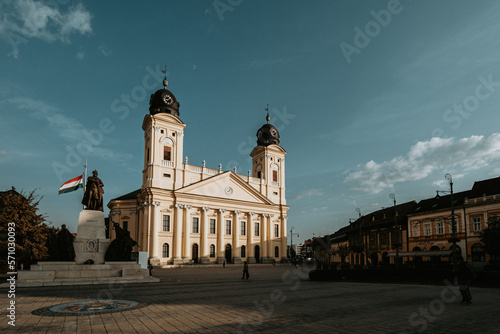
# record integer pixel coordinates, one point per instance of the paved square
(276, 299)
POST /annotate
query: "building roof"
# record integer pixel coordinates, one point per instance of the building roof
(130, 195)
(485, 188)
(441, 203)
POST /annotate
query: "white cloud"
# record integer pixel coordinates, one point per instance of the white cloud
(423, 158)
(307, 193)
(105, 51)
(68, 129)
(25, 19)
(80, 55)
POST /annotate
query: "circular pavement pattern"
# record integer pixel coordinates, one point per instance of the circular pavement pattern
(89, 307)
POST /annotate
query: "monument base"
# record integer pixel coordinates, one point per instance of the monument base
(70, 273)
(91, 242)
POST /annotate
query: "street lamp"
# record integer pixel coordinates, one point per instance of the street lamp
(291, 241)
(453, 224)
(396, 229)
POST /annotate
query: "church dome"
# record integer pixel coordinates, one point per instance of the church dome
(268, 134)
(163, 101)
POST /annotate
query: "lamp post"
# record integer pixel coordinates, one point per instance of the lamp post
(361, 241)
(453, 224)
(396, 229)
(291, 241)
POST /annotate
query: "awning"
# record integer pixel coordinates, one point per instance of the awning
(422, 253)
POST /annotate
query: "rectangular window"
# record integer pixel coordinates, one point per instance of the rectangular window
(427, 230)
(276, 230)
(166, 223)
(243, 228)
(416, 230)
(275, 175)
(196, 224)
(125, 225)
(167, 153)
(212, 226)
(257, 229)
(228, 227)
(476, 224)
(440, 228)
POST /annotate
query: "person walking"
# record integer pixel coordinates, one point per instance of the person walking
(245, 270)
(464, 277)
(224, 264)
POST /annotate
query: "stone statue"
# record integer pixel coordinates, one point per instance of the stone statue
(92, 198)
(120, 249)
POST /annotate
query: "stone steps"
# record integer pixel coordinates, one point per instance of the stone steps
(69, 273)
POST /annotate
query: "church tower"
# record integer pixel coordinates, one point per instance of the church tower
(268, 163)
(163, 141)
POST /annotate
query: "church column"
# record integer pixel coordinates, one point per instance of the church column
(205, 252)
(178, 234)
(187, 233)
(250, 251)
(153, 241)
(270, 231)
(236, 238)
(145, 227)
(283, 237)
(263, 239)
(220, 236)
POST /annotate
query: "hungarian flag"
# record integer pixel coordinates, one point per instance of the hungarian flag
(71, 185)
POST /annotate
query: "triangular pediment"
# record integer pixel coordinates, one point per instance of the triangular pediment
(228, 186)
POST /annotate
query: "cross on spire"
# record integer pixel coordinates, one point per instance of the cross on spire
(165, 82)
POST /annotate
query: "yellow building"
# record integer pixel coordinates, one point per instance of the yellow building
(193, 214)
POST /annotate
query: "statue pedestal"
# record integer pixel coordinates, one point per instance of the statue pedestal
(91, 242)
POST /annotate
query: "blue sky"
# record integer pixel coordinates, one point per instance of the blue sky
(370, 97)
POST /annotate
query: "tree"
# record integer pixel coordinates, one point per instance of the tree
(20, 210)
(343, 251)
(490, 237)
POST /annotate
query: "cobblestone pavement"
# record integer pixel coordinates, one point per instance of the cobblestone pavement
(276, 299)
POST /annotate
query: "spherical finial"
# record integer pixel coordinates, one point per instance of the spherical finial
(165, 83)
(268, 118)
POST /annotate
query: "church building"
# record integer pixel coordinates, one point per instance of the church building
(186, 214)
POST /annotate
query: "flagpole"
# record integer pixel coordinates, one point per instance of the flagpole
(85, 181)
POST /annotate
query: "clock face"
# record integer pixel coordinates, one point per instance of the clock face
(167, 99)
(274, 132)
(229, 190)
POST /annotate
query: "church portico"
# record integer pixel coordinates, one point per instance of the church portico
(194, 214)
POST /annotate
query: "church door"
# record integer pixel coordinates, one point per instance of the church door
(229, 253)
(195, 253)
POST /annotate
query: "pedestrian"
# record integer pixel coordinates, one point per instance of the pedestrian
(150, 267)
(224, 264)
(245, 270)
(464, 277)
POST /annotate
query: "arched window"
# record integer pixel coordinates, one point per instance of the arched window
(276, 251)
(166, 250)
(212, 250)
(243, 251)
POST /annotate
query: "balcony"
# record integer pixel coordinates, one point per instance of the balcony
(167, 163)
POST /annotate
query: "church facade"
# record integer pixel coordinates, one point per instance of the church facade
(193, 214)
